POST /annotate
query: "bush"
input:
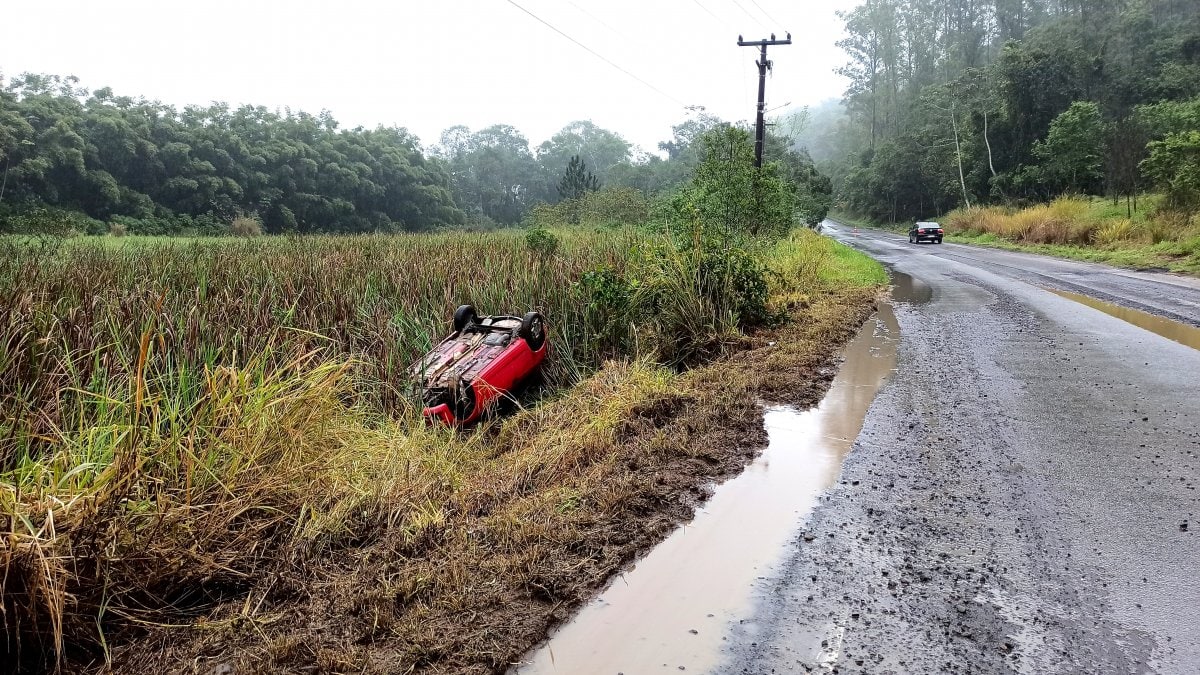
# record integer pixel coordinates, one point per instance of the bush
(116, 230)
(541, 241)
(38, 219)
(1113, 232)
(246, 226)
(614, 206)
(608, 310)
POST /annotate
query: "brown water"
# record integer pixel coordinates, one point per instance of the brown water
(1172, 330)
(906, 288)
(673, 607)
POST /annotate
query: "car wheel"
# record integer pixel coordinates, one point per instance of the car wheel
(939, 240)
(533, 330)
(464, 316)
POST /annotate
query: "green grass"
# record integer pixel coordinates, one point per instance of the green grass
(1178, 257)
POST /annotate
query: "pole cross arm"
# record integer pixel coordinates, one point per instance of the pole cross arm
(764, 43)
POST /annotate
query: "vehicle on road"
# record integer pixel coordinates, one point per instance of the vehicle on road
(925, 232)
(483, 361)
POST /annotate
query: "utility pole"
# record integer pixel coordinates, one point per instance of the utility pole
(763, 66)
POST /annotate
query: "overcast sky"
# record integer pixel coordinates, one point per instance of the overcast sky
(427, 65)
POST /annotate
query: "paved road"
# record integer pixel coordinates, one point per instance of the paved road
(1023, 494)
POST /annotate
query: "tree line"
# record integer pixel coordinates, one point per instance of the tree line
(92, 159)
(65, 150)
(957, 102)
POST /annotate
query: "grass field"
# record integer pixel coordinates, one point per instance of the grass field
(201, 433)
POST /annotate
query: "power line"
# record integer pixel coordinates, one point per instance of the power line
(595, 53)
(597, 19)
(752, 17)
(709, 12)
(767, 14)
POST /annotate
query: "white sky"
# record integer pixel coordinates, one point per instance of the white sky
(429, 65)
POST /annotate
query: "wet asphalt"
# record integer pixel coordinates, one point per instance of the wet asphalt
(1023, 494)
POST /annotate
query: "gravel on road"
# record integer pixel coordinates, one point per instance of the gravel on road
(1022, 496)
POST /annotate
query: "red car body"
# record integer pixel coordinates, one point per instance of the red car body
(478, 364)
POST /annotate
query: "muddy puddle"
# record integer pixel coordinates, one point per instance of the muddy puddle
(671, 611)
(1172, 330)
(906, 288)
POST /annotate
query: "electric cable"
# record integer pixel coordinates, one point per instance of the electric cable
(766, 13)
(752, 17)
(596, 54)
(710, 13)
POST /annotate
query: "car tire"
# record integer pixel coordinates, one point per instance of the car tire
(939, 240)
(533, 330)
(464, 316)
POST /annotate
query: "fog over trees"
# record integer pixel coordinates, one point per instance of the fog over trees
(960, 102)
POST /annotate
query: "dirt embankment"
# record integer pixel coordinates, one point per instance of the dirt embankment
(614, 466)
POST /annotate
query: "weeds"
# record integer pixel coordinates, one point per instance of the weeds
(170, 442)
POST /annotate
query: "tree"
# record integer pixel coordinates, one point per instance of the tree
(1071, 158)
(728, 196)
(492, 172)
(603, 150)
(156, 169)
(973, 86)
(577, 180)
(1174, 166)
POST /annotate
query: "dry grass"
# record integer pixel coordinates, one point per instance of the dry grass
(1094, 229)
(1114, 231)
(246, 226)
(535, 519)
(215, 449)
(1064, 221)
(1072, 221)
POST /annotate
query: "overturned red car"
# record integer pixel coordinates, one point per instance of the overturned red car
(482, 361)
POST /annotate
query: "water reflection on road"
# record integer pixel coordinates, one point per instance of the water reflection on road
(673, 607)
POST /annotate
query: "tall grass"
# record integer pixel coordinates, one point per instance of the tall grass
(178, 420)
(1073, 221)
(73, 317)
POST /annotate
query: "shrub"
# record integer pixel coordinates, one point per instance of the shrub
(614, 206)
(976, 219)
(548, 215)
(37, 219)
(246, 226)
(541, 241)
(117, 230)
(1165, 226)
(1113, 232)
(607, 309)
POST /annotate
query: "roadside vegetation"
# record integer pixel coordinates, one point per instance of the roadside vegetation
(212, 447)
(1035, 124)
(1095, 230)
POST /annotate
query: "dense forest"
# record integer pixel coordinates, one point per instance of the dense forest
(88, 161)
(961, 102)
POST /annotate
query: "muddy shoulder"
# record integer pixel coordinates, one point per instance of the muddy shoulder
(524, 546)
